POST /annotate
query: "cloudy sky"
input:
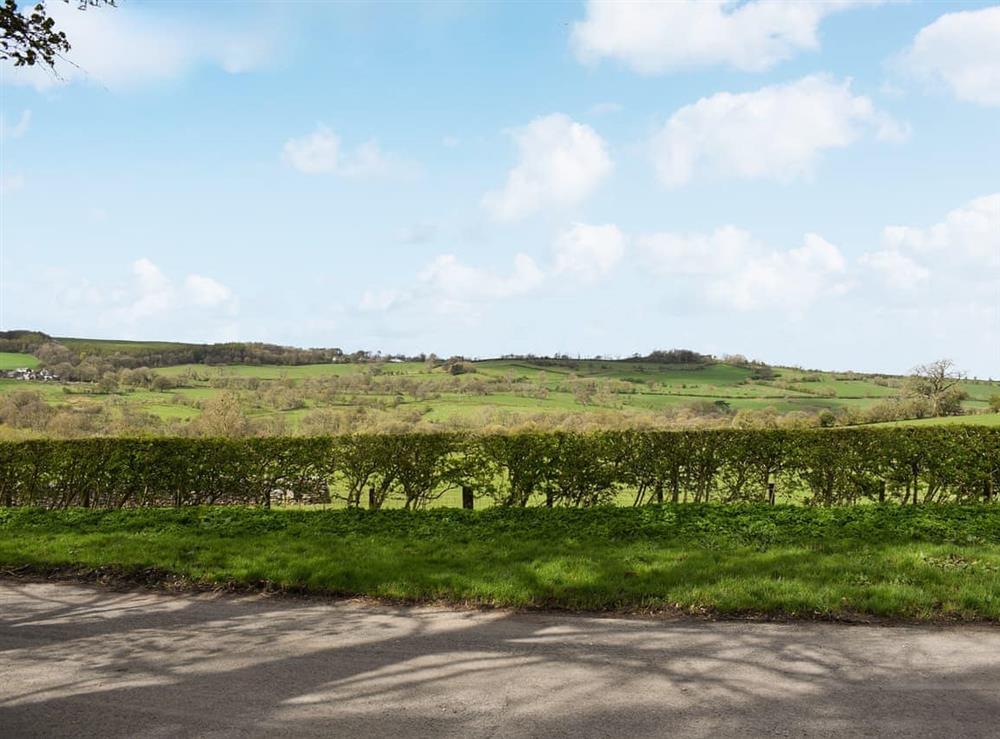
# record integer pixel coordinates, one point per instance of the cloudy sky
(816, 184)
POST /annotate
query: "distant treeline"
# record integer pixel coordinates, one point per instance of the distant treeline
(112, 355)
(229, 353)
(23, 342)
(131, 355)
(821, 468)
(658, 356)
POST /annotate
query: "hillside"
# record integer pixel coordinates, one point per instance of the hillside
(102, 389)
(131, 354)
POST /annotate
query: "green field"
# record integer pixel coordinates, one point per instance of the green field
(113, 346)
(981, 419)
(497, 393)
(13, 360)
(274, 372)
(935, 562)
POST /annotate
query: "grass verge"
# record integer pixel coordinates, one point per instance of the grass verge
(924, 563)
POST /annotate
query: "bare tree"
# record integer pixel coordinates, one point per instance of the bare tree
(937, 382)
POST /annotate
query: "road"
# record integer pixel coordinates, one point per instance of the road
(84, 661)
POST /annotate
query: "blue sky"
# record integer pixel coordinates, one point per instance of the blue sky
(816, 184)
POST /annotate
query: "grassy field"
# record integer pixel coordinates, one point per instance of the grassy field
(984, 419)
(498, 392)
(13, 360)
(895, 562)
(280, 372)
(113, 346)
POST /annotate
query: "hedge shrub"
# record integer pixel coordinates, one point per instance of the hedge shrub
(815, 467)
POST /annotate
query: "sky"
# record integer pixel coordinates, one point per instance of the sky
(812, 184)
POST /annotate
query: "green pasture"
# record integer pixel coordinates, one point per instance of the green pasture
(981, 390)
(51, 391)
(978, 419)
(167, 411)
(117, 346)
(295, 372)
(923, 563)
(638, 386)
(15, 360)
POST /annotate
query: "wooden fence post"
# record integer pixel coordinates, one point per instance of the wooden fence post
(371, 498)
(467, 499)
(987, 492)
(770, 493)
(881, 492)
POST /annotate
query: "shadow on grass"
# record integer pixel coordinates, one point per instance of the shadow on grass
(825, 579)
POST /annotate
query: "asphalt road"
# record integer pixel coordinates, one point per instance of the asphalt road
(81, 661)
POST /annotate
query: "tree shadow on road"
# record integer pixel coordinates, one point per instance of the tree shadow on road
(86, 662)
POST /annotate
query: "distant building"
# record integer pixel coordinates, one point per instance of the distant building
(26, 373)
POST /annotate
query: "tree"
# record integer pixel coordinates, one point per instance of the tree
(52, 352)
(30, 36)
(516, 465)
(108, 383)
(937, 383)
(222, 416)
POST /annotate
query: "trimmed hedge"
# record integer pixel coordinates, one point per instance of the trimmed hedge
(816, 467)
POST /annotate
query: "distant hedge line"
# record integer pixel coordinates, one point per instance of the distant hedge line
(816, 467)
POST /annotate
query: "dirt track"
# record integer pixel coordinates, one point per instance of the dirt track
(84, 661)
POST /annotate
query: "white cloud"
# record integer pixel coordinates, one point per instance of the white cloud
(962, 51)
(369, 160)
(943, 279)
(970, 233)
(447, 277)
(18, 129)
(145, 303)
(206, 291)
(589, 252)
(791, 280)
(152, 295)
(560, 162)
(898, 270)
(129, 46)
(314, 153)
(320, 152)
(654, 37)
(155, 292)
(959, 254)
(447, 286)
(734, 270)
(777, 132)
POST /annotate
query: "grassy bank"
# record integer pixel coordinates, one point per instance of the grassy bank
(913, 563)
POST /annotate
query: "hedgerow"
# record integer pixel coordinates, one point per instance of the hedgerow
(815, 467)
